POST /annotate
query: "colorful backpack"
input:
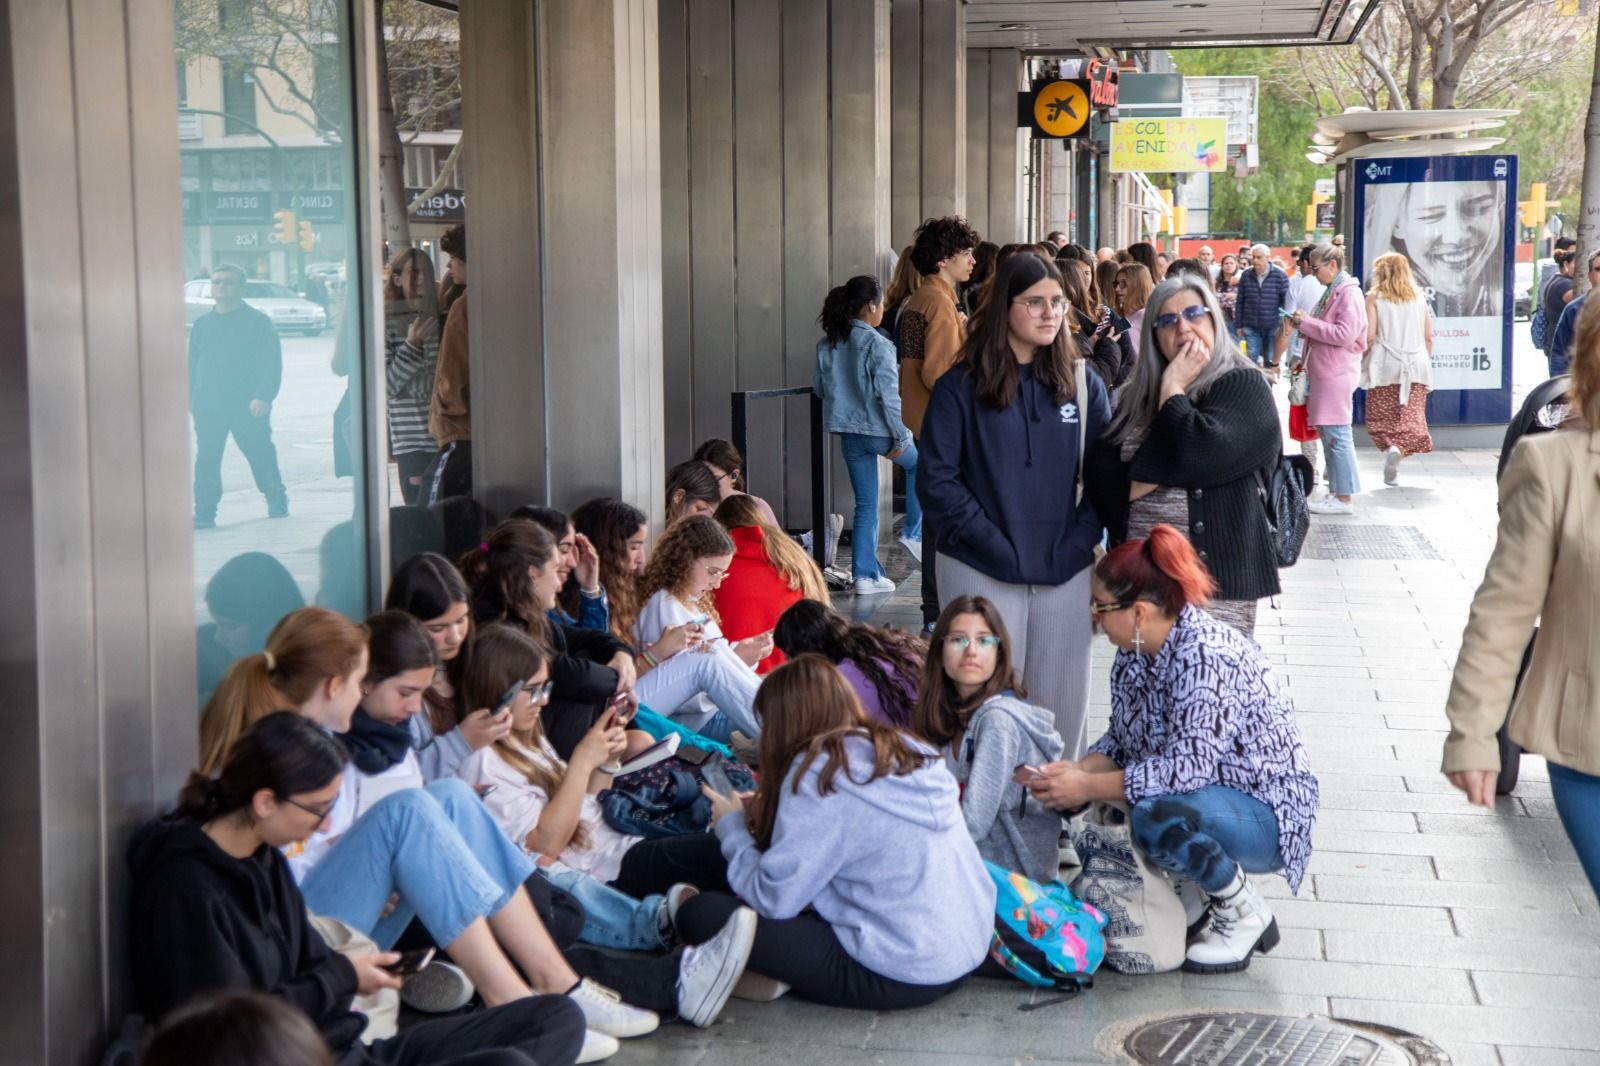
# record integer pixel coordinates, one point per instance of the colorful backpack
(1043, 934)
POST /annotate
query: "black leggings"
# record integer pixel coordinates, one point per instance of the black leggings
(651, 867)
(539, 1031)
(804, 953)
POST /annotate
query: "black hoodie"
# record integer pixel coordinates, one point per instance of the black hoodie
(205, 921)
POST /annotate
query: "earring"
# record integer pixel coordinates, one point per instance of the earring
(1138, 639)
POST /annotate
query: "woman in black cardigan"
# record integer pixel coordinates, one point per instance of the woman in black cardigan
(1194, 438)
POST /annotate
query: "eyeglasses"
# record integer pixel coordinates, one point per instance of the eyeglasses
(321, 815)
(538, 693)
(1192, 313)
(714, 572)
(1097, 608)
(961, 642)
(1035, 305)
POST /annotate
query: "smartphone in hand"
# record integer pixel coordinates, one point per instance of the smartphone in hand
(411, 962)
(1025, 774)
(717, 778)
(504, 703)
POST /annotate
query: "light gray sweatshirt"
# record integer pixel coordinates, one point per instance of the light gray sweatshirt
(1012, 828)
(887, 864)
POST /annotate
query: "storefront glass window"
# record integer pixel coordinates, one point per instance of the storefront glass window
(270, 238)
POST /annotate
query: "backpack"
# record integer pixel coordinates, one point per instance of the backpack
(649, 811)
(1284, 497)
(1043, 935)
(1538, 322)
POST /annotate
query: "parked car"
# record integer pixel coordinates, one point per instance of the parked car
(290, 313)
(1522, 306)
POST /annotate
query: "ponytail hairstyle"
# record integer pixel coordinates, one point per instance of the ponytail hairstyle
(844, 304)
(396, 645)
(941, 712)
(698, 484)
(304, 650)
(808, 712)
(503, 656)
(496, 571)
(798, 570)
(610, 524)
(890, 659)
(282, 752)
(687, 539)
(426, 587)
(1162, 569)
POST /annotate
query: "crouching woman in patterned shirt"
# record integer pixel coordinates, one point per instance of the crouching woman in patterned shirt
(1202, 746)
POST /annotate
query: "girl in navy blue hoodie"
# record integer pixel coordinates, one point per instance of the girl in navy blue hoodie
(1000, 470)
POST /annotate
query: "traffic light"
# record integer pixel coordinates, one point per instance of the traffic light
(284, 226)
(308, 239)
(1525, 214)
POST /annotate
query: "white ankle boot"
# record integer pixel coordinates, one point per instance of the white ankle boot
(1196, 905)
(1241, 922)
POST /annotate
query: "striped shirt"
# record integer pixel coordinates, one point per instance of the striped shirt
(409, 373)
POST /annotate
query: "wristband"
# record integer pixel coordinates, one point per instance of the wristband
(650, 660)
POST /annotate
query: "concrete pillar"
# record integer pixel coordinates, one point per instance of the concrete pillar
(560, 104)
(996, 147)
(928, 113)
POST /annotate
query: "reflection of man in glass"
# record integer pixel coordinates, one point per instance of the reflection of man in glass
(235, 370)
(1452, 232)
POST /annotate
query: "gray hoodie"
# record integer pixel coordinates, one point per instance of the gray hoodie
(1012, 828)
(887, 864)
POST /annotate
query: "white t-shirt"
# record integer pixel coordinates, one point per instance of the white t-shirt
(356, 797)
(664, 610)
(516, 805)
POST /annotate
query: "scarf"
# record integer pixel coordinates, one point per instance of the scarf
(375, 746)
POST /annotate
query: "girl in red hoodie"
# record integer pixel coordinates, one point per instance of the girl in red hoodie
(769, 574)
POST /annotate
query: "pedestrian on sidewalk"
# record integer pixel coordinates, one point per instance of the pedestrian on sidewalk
(1129, 295)
(1263, 290)
(1195, 433)
(1202, 744)
(857, 382)
(1397, 371)
(1334, 336)
(1543, 569)
(1304, 293)
(1001, 444)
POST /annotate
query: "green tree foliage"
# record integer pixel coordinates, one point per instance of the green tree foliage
(1281, 187)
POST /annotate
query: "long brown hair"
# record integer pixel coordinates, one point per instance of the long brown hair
(941, 712)
(988, 354)
(496, 572)
(808, 711)
(305, 649)
(798, 570)
(609, 523)
(503, 655)
(1138, 283)
(689, 538)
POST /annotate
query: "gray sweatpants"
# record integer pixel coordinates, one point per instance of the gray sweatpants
(1050, 640)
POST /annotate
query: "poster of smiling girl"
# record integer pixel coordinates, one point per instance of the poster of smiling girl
(1452, 218)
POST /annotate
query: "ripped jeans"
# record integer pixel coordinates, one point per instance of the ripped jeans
(1204, 836)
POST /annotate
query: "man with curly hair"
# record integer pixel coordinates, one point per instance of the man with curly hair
(931, 333)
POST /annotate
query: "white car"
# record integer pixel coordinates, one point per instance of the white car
(289, 311)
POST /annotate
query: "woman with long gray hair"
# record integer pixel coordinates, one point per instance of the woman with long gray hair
(1193, 439)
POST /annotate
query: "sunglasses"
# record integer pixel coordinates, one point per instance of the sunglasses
(1097, 608)
(1192, 313)
(961, 642)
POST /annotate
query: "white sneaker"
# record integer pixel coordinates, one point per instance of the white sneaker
(871, 586)
(759, 988)
(604, 1012)
(597, 1047)
(912, 547)
(1241, 924)
(1331, 504)
(677, 896)
(708, 972)
(835, 527)
(439, 988)
(1391, 466)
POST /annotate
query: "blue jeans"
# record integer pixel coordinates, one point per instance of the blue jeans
(438, 847)
(1577, 797)
(613, 919)
(1558, 364)
(1204, 836)
(1339, 451)
(1258, 343)
(861, 459)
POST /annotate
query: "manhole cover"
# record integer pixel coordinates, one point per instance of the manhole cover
(1339, 540)
(1273, 1040)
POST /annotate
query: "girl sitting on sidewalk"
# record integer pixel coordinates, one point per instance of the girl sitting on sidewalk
(620, 533)
(883, 666)
(769, 573)
(974, 708)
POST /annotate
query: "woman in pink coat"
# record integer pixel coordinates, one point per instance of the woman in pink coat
(1334, 335)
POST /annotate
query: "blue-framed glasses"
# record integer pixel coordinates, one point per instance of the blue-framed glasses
(961, 642)
(1192, 313)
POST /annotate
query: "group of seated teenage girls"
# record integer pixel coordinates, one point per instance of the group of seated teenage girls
(374, 775)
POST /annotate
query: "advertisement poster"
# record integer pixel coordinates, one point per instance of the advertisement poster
(1169, 145)
(1454, 219)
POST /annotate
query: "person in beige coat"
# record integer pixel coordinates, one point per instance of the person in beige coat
(1545, 567)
